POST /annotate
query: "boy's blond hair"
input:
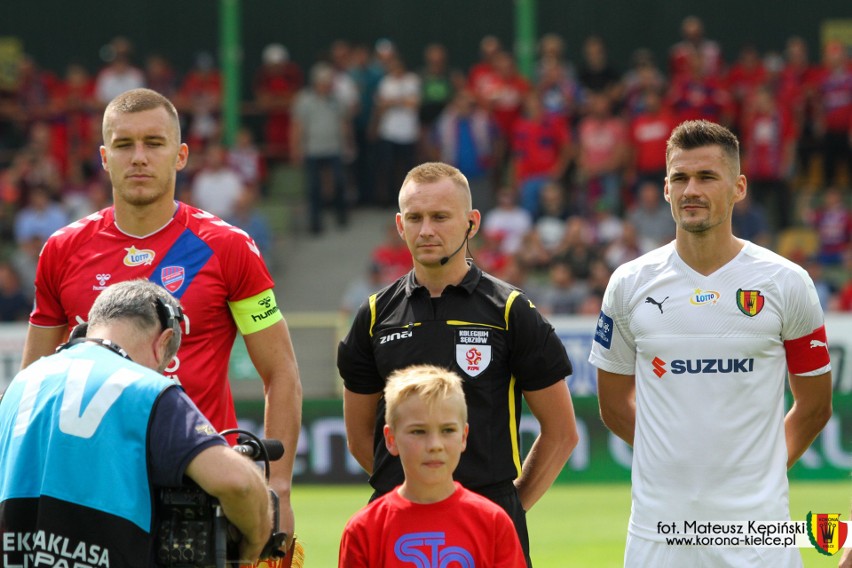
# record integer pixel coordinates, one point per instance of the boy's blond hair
(430, 383)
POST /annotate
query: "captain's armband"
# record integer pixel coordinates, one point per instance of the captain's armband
(256, 312)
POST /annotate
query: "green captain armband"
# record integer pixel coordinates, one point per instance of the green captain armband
(256, 313)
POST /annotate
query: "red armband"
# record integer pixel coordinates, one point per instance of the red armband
(807, 353)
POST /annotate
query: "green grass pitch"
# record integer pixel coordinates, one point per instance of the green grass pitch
(573, 525)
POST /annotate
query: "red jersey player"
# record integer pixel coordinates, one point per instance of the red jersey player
(214, 268)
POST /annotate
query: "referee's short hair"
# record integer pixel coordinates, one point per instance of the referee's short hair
(431, 172)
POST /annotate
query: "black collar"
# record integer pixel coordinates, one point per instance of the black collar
(468, 283)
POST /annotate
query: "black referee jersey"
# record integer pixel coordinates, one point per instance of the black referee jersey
(485, 330)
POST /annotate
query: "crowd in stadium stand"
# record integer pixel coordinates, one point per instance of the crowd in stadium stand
(567, 165)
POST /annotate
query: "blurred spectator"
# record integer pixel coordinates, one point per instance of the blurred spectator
(604, 146)
(275, 86)
(596, 73)
(643, 77)
(577, 247)
(834, 113)
(73, 112)
(743, 78)
(14, 303)
(551, 53)
(247, 217)
(438, 84)
(24, 259)
(397, 128)
(563, 293)
(36, 163)
(320, 130)
(693, 41)
(119, 74)
(391, 256)
(344, 87)
(560, 92)
(508, 221)
(488, 251)
(96, 194)
(694, 94)
(825, 289)
(160, 75)
(245, 158)
(751, 222)
(598, 277)
(483, 74)
(464, 137)
(541, 243)
(504, 99)
(623, 248)
(832, 220)
(366, 78)
(652, 217)
(649, 133)
(32, 92)
(199, 100)
(541, 151)
(798, 83)
(358, 289)
(768, 140)
(40, 218)
(216, 187)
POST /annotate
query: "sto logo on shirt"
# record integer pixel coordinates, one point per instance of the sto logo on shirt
(427, 550)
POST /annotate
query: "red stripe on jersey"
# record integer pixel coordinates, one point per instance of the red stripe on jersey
(807, 353)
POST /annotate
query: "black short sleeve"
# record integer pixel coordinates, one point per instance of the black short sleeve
(355, 359)
(178, 432)
(538, 356)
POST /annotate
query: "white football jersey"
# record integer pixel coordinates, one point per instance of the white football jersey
(710, 364)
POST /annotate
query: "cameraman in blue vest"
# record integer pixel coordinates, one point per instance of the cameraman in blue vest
(89, 434)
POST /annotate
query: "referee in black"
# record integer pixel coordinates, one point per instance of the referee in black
(447, 312)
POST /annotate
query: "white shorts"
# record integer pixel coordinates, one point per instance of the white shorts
(641, 553)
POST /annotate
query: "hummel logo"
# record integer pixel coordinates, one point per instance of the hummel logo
(817, 343)
(650, 300)
(265, 302)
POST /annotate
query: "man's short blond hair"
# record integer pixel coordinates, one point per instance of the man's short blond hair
(432, 172)
(429, 383)
(138, 100)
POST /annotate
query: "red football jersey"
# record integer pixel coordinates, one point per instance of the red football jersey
(203, 261)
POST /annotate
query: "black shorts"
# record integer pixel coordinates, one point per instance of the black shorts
(506, 495)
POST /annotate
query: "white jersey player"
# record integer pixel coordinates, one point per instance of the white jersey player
(693, 347)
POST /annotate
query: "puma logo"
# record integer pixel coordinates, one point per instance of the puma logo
(650, 300)
(817, 343)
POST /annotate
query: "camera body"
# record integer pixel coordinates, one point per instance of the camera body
(192, 530)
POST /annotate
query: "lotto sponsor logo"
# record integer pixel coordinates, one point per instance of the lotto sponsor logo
(703, 366)
(139, 257)
(703, 297)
